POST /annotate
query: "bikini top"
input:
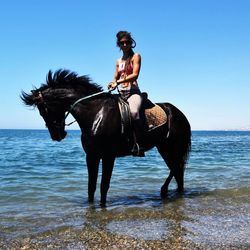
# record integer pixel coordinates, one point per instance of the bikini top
(124, 68)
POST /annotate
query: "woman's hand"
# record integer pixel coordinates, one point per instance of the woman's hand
(112, 86)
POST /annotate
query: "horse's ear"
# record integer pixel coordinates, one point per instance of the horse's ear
(35, 96)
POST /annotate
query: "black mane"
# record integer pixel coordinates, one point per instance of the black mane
(63, 79)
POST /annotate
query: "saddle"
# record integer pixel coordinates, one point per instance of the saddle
(152, 114)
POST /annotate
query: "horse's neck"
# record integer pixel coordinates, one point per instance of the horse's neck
(97, 116)
(86, 111)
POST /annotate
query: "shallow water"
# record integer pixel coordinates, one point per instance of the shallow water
(43, 196)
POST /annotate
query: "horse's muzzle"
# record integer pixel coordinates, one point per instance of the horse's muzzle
(58, 136)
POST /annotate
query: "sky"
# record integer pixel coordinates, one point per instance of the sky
(195, 54)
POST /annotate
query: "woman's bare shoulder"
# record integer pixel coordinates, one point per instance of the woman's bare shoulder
(136, 57)
(118, 61)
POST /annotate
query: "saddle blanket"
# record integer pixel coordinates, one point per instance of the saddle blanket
(155, 117)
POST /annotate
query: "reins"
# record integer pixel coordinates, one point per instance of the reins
(79, 100)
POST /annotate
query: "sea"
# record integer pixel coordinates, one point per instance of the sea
(43, 196)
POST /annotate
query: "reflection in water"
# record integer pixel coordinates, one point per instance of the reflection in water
(219, 218)
(194, 220)
(219, 229)
(141, 229)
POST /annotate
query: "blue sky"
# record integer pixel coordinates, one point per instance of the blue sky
(195, 54)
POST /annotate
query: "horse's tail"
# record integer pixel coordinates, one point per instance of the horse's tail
(179, 133)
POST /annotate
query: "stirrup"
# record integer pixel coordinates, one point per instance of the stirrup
(137, 150)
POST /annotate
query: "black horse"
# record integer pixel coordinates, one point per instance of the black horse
(99, 118)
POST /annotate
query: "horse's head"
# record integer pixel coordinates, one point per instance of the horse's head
(51, 111)
(56, 96)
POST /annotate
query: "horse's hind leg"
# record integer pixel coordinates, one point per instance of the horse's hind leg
(164, 188)
(179, 177)
(176, 170)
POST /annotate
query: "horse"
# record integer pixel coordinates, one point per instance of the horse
(99, 118)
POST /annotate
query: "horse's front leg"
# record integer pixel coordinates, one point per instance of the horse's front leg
(92, 164)
(107, 168)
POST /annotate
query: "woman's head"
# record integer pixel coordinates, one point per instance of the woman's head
(124, 38)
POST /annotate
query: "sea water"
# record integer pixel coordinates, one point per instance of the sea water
(43, 188)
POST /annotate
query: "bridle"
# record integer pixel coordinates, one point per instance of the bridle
(41, 101)
(55, 123)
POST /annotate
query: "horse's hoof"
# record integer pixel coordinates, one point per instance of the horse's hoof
(180, 190)
(103, 205)
(91, 200)
(164, 194)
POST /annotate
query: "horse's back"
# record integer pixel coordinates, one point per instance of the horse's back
(174, 114)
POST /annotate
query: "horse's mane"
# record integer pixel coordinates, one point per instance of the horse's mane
(63, 79)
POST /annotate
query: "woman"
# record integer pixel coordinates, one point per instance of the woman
(126, 75)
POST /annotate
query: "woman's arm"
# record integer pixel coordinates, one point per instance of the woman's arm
(116, 76)
(113, 84)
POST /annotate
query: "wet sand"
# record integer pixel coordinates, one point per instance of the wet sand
(217, 220)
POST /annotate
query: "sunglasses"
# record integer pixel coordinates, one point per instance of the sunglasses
(125, 42)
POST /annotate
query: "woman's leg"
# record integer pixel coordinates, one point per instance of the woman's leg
(135, 102)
